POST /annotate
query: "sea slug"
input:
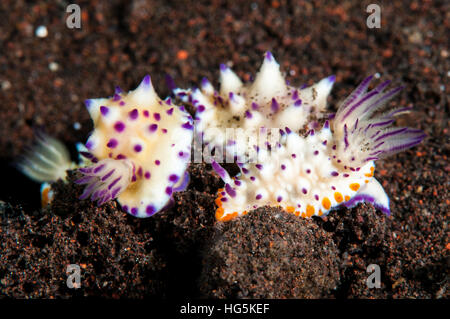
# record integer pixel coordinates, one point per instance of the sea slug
(257, 107)
(305, 174)
(139, 149)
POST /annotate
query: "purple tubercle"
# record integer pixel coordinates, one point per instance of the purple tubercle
(173, 178)
(157, 116)
(269, 56)
(304, 191)
(153, 127)
(88, 103)
(334, 173)
(146, 113)
(331, 78)
(274, 106)
(137, 148)
(147, 175)
(104, 110)
(147, 82)
(150, 210)
(255, 106)
(157, 162)
(116, 97)
(169, 111)
(223, 67)
(169, 190)
(134, 211)
(205, 82)
(295, 95)
(279, 199)
(201, 108)
(258, 196)
(187, 126)
(248, 114)
(298, 103)
(326, 124)
(117, 90)
(112, 143)
(119, 126)
(133, 114)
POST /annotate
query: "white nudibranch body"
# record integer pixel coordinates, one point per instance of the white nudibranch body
(267, 102)
(140, 149)
(305, 175)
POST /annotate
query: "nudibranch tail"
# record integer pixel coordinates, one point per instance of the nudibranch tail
(360, 136)
(47, 161)
(140, 149)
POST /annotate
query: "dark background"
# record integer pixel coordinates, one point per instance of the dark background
(121, 41)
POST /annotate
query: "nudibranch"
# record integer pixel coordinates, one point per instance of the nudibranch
(140, 149)
(307, 174)
(267, 102)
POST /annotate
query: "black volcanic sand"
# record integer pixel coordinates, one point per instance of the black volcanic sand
(183, 252)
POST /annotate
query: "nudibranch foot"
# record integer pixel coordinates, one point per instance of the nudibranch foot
(140, 149)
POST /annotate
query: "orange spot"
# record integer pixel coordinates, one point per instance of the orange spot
(368, 175)
(182, 55)
(219, 213)
(366, 181)
(45, 200)
(448, 246)
(326, 203)
(372, 169)
(309, 210)
(354, 186)
(218, 202)
(347, 198)
(338, 197)
(297, 213)
(229, 217)
(290, 209)
(303, 215)
(244, 213)
(320, 213)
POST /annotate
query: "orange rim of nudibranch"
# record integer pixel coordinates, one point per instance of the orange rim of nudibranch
(45, 200)
(220, 211)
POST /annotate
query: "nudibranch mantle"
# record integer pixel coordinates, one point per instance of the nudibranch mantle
(267, 102)
(140, 149)
(309, 175)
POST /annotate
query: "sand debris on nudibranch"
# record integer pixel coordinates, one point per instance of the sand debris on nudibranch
(265, 103)
(140, 149)
(329, 167)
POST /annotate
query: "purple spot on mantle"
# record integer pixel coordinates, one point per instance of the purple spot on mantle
(150, 210)
(119, 126)
(153, 127)
(112, 143)
(137, 148)
(134, 114)
(104, 110)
